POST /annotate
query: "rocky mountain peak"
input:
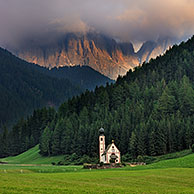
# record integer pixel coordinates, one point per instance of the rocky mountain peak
(100, 52)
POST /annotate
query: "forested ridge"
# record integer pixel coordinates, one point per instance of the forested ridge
(25, 86)
(83, 76)
(147, 112)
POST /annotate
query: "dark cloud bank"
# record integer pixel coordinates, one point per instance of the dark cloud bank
(125, 20)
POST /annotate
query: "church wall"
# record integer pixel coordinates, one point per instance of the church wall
(113, 149)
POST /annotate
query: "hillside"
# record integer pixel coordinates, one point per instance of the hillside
(32, 156)
(83, 76)
(24, 87)
(150, 111)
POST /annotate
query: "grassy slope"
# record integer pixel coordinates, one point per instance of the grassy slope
(182, 162)
(32, 156)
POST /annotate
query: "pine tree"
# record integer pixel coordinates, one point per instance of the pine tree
(186, 101)
(56, 137)
(133, 145)
(66, 137)
(45, 142)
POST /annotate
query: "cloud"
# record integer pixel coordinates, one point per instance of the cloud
(127, 20)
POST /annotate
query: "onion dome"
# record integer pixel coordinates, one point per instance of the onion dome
(101, 131)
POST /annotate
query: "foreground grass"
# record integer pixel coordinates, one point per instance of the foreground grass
(165, 176)
(175, 180)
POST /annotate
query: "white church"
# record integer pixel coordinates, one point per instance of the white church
(111, 153)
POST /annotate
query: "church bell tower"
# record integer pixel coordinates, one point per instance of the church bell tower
(101, 145)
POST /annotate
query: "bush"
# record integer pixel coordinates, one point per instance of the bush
(101, 163)
(85, 159)
(192, 148)
(149, 159)
(53, 163)
(126, 158)
(140, 158)
(74, 157)
(60, 163)
(123, 164)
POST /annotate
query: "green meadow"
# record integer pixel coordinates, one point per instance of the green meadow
(166, 176)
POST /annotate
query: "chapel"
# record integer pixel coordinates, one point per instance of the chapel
(111, 154)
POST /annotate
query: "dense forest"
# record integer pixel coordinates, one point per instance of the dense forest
(25, 86)
(150, 111)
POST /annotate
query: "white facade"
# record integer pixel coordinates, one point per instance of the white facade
(113, 151)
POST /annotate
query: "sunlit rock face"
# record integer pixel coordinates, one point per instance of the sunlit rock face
(152, 49)
(98, 51)
(95, 50)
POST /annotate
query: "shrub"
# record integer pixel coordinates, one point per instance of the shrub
(126, 158)
(74, 157)
(101, 163)
(140, 158)
(123, 164)
(192, 147)
(60, 163)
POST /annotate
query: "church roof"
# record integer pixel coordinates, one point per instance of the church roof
(107, 149)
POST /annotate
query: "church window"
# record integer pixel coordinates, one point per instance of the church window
(101, 139)
(112, 146)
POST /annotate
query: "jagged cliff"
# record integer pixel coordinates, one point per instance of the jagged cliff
(151, 49)
(98, 51)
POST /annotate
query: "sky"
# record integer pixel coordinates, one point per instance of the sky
(125, 20)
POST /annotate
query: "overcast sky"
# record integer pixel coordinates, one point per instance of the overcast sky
(126, 20)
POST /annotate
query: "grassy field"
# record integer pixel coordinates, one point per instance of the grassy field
(172, 180)
(166, 176)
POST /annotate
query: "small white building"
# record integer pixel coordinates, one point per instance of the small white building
(109, 153)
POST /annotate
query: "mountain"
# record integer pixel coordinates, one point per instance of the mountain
(98, 51)
(148, 112)
(152, 49)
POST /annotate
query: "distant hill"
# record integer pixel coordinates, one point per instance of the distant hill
(24, 87)
(83, 76)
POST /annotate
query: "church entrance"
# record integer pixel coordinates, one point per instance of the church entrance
(113, 158)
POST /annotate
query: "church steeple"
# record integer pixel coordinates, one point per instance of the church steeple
(101, 145)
